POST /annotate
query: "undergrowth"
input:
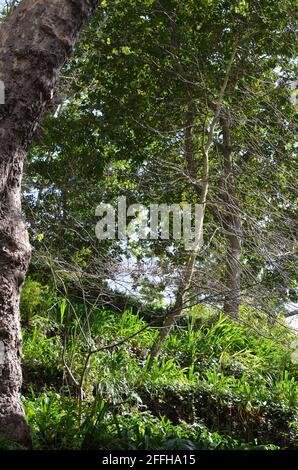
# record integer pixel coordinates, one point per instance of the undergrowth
(218, 384)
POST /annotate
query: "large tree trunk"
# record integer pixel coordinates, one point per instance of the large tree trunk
(35, 41)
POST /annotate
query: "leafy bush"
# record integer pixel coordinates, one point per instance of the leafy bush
(217, 384)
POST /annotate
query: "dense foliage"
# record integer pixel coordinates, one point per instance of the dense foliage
(168, 101)
(218, 384)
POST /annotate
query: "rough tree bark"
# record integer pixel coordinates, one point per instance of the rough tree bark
(35, 41)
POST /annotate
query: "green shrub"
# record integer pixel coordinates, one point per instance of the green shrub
(217, 384)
